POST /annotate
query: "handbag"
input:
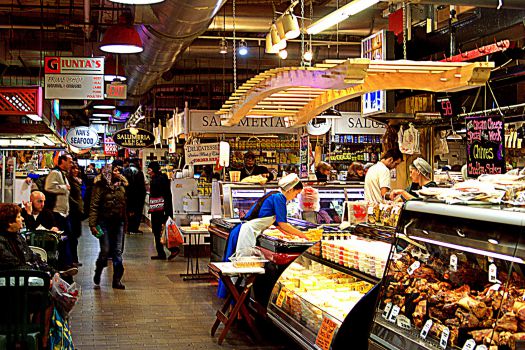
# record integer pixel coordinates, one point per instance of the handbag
(173, 235)
(156, 204)
(60, 337)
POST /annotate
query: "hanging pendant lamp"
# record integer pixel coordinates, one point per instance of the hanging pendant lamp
(112, 70)
(290, 26)
(122, 38)
(277, 43)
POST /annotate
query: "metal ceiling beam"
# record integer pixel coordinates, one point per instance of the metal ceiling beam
(506, 4)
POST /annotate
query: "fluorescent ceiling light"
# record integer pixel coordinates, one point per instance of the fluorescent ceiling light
(34, 117)
(470, 250)
(104, 106)
(99, 122)
(17, 142)
(101, 115)
(45, 140)
(340, 15)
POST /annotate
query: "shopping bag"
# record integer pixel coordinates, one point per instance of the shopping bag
(64, 295)
(173, 235)
(60, 337)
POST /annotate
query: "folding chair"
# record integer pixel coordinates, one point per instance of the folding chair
(47, 240)
(24, 298)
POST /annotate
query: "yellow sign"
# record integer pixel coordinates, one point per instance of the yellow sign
(326, 333)
(280, 298)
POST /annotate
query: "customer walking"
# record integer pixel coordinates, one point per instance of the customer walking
(76, 211)
(108, 212)
(160, 208)
(136, 194)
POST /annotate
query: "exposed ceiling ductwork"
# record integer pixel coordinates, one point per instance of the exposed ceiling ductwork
(505, 4)
(180, 22)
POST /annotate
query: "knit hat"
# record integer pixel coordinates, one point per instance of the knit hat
(288, 182)
(154, 166)
(423, 167)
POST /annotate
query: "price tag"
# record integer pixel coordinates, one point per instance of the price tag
(413, 267)
(326, 333)
(394, 313)
(426, 329)
(469, 345)
(453, 263)
(495, 287)
(388, 307)
(403, 322)
(280, 298)
(493, 273)
(444, 338)
(481, 347)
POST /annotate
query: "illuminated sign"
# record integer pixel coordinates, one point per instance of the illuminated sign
(116, 91)
(139, 139)
(82, 137)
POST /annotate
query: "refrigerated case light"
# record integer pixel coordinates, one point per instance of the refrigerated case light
(469, 249)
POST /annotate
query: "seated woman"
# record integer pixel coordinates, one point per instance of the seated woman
(420, 173)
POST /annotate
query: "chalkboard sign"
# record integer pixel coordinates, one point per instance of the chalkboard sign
(304, 152)
(485, 145)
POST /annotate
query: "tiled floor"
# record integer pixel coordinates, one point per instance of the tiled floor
(157, 310)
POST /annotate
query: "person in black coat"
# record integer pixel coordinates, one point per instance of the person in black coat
(136, 194)
(160, 208)
(252, 169)
(35, 215)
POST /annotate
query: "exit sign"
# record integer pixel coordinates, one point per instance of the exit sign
(116, 91)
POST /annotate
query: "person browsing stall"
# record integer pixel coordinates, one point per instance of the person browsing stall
(322, 171)
(36, 215)
(377, 179)
(269, 210)
(251, 169)
(420, 173)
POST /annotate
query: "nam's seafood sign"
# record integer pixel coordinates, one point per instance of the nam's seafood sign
(74, 78)
(139, 139)
(82, 137)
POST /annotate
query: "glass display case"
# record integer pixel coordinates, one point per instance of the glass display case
(238, 198)
(323, 297)
(453, 281)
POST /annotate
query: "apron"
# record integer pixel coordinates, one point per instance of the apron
(250, 230)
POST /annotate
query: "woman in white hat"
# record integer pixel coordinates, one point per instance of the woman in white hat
(420, 174)
(269, 210)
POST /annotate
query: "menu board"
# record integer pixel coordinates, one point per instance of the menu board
(485, 145)
(304, 151)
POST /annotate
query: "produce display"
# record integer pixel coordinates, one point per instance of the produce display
(308, 290)
(467, 296)
(386, 214)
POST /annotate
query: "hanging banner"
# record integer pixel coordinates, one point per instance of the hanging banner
(304, 151)
(485, 145)
(110, 147)
(206, 122)
(353, 123)
(74, 78)
(139, 138)
(204, 153)
(82, 137)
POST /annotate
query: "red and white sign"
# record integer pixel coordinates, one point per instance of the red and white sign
(74, 78)
(74, 65)
(110, 147)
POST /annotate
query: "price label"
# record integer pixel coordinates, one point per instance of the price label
(481, 347)
(426, 329)
(444, 338)
(413, 267)
(394, 313)
(453, 263)
(403, 322)
(469, 345)
(280, 298)
(388, 307)
(495, 287)
(493, 273)
(326, 333)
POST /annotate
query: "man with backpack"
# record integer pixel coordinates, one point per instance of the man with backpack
(57, 187)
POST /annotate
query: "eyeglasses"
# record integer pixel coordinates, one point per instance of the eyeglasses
(40, 200)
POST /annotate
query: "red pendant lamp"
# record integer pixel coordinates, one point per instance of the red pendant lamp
(112, 70)
(122, 38)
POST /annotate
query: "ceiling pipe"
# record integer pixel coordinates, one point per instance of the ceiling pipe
(87, 28)
(180, 22)
(506, 4)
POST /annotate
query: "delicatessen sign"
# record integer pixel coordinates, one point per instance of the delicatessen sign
(82, 137)
(139, 138)
(485, 145)
(199, 154)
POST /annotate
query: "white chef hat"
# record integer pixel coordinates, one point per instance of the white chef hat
(288, 182)
(423, 167)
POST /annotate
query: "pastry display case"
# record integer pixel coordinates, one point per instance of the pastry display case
(454, 280)
(323, 299)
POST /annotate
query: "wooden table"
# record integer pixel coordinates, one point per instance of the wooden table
(237, 292)
(192, 255)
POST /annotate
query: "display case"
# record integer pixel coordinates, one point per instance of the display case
(326, 296)
(237, 198)
(454, 280)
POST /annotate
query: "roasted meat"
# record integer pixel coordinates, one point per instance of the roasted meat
(508, 322)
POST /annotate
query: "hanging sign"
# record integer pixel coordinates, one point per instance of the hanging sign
(203, 153)
(116, 91)
(326, 334)
(374, 48)
(110, 147)
(140, 138)
(485, 145)
(82, 137)
(304, 151)
(354, 124)
(204, 122)
(318, 126)
(74, 78)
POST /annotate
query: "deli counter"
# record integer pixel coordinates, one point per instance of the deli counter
(454, 280)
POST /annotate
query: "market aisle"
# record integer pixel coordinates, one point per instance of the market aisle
(156, 311)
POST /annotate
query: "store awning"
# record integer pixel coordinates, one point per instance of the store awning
(301, 93)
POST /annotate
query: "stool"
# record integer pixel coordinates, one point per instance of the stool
(236, 293)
